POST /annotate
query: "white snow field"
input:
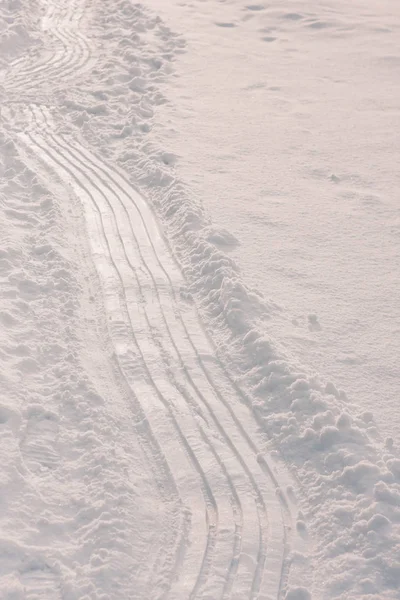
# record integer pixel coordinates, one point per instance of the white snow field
(158, 439)
(290, 137)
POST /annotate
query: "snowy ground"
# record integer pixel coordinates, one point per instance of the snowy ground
(291, 119)
(158, 438)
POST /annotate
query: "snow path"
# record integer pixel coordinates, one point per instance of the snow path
(118, 226)
(156, 442)
(67, 52)
(225, 527)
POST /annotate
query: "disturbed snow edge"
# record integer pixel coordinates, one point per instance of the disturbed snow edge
(350, 481)
(71, 465)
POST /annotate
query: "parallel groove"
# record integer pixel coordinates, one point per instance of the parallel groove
(70, 59)
(211, 507)
(236, 550)
(260, 459)
(251, 444)
(190, 397)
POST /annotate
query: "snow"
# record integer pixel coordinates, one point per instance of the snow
(178, 213)
(292, 141)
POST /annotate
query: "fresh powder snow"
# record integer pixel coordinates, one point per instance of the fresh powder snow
(199, 306)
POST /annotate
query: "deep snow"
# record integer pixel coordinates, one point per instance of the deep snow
(159, 438)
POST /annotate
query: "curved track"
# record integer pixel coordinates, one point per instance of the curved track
(65, 54)
(226, 524)
(159, 336)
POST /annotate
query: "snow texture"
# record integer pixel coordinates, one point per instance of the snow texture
(156, 442)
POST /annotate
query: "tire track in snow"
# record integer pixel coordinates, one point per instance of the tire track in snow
(65, 29)
(268, 558)
(176, 514)
(262, 558)
(71, 58)
(260, 523)
(115, 183)
(189, 397)
(76, 50)
(262, 518)
(218, 546)
(72, 37)
(191, 488)
(25, 73)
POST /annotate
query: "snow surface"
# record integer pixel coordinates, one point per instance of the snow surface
(158, 438)
(291, 119)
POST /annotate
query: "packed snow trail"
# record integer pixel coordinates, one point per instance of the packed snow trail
(156, 440)
(128, 249)
(67, 53)
(227, 528)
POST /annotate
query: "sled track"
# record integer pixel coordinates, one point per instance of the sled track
(128, 352)
(63, 23)
(211, 519)
(223, 522)
(245, 547)
(174, 515)
(71, 51)
(194, 389)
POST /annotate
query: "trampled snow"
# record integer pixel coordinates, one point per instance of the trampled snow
(196, 218)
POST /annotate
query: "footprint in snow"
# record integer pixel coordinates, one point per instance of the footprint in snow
(255, 7)
(226, 25)
(313, 323)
